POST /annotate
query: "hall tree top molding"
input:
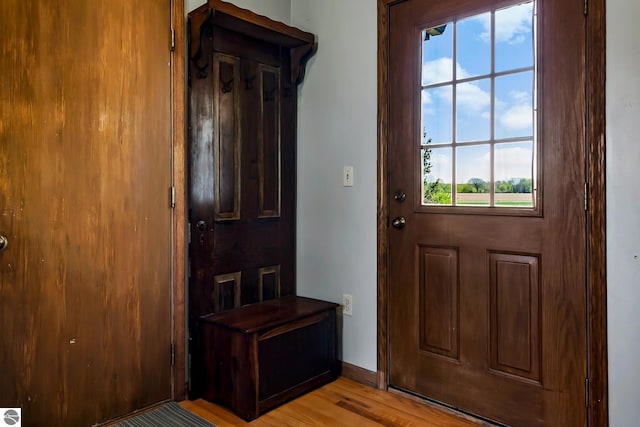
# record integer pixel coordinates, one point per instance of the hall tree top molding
(216, 13)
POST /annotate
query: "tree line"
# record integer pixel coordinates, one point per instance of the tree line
(514, 185)
(440, 193)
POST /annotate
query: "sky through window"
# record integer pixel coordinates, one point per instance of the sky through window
(478, 116)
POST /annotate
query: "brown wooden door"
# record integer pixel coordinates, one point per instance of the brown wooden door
(241, 173)
(486, 289)
(85, 168)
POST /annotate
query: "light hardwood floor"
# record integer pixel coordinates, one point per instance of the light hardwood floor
(341, 403)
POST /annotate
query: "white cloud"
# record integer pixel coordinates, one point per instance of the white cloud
(512, 24)
(426, 98)
(441, 70)
(513, 114)
(517, 117)
(517, 114)
(440, 167)
(473, 167)
(433, 97)
(470, 96)
(520, 96)
(512, 162)
(437, 71)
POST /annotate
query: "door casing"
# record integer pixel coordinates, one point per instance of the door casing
(596, 216)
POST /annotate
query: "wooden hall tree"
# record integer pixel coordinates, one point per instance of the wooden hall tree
(242, 104)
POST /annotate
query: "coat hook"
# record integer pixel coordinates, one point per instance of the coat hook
(269, 95)
(227, 86)
(250, 82)
(205, 33)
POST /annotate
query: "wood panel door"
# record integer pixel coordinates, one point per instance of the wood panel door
(241, 210)
(487, 255)
(242, 121)
(85, 143)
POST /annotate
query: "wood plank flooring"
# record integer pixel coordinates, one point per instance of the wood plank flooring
(341, 403)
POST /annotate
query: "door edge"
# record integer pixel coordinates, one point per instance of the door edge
(382, 203)
(178, 280)
(597, 357)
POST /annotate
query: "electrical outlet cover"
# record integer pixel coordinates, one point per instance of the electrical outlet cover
(347, 305)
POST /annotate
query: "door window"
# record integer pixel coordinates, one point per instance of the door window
(478, 123)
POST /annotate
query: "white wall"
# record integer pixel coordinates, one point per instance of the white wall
(623, 210)
(336, 245)
(279, 10)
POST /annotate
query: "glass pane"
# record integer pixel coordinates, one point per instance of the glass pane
(436, 176)
(514, 37)
(488, 120)
(437, 55)
(514, 105)
(473, 114)
(473, 46)
(437, 113)
(473, 175)
(514, 174)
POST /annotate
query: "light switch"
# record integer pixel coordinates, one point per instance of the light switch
(347, 176)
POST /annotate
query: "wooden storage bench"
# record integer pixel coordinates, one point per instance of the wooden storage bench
(262, 355)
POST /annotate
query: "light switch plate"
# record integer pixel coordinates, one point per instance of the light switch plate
(347, 176)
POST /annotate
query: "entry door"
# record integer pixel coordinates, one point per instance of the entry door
(487, 212)
(85, 143)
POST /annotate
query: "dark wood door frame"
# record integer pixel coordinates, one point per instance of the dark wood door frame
(596, 218)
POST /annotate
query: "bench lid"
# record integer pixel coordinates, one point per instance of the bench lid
(267, 314)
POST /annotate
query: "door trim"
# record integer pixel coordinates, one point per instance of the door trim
(596, 218)
(179, 325)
